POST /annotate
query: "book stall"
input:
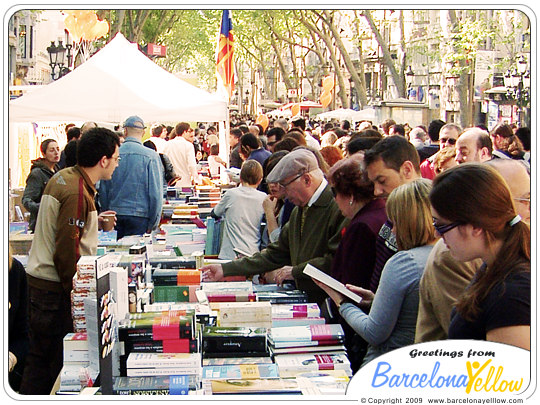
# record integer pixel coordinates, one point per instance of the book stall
(145, 324)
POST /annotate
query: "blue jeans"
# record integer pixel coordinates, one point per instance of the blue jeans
(129, 225)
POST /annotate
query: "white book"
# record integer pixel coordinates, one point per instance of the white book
(165, 360)
(140, 372)
(331, 282)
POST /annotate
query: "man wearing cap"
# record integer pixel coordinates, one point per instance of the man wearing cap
(135, 191)
(311, 236)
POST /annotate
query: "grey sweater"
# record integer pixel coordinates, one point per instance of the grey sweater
(391, 322)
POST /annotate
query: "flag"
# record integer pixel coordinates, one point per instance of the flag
(225, 54)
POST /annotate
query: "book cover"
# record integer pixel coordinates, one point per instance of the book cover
(154, 385)
(173, 262)
(162, 346)
(257, 386)
(296, 311)
(231, 340)
(287, 322)
(308, 349)
(308, 333)
(283, 297)
(171, 293)
(290, 364)
(162, 328)
(224, 361)
(163, 360)
(240, 371)
(313, 343)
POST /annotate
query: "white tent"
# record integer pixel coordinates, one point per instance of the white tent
(349, 114)
(118, 81)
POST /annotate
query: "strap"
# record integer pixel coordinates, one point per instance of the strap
(79, 222)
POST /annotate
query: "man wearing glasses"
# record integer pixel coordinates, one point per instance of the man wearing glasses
(448, 136)
(311, 236)
(135, 191)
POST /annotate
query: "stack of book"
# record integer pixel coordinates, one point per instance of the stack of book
(169, 332)
(327, 382)
(234, 342)
(155, 385)
(236, 291)
(149, 364)
(291, 365)
(296, 315)
(283, 296)
(240, 372)
(243, 314)
(84, 286)
(325, 338)
(75, 374)
(172, 285)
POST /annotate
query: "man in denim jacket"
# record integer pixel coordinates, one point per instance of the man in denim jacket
(135, 191)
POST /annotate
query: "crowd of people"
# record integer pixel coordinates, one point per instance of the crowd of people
(430, 225)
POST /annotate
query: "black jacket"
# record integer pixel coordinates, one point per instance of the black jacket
(18, 320)
(36, 181)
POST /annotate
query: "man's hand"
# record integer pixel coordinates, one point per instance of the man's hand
(212, 272)
(284, 273)
(269, 204)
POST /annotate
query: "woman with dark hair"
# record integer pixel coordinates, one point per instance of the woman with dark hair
(474, 212)
(40, 173)
(168, 169)
(251, 148)
(391, 322)
(506, 144)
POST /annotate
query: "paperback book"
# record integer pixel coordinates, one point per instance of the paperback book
(155, 385)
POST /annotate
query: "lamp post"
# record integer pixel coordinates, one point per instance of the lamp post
(518, 83)
(57, 55)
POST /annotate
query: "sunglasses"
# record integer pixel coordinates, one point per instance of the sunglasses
(442, 229)
(451, 141)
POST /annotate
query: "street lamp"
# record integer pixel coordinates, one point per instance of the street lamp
(57, 55)
(518, 82)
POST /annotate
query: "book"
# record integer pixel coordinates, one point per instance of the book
(313, 343)
(256, 386)
(296, 311)
(287, 322)
(291, 364)
(315, 273)
(163, 360)
(307, 349)
(171, 293)
(154, 385)
(251, 312)
(240, 371)
(231, 297)
(233, 341)
(308, 333)
(161, 328)
(282, 297)
(224, 361)
(162, 346)
(174, 262)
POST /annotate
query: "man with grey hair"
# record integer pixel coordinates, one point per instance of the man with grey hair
(282, 123)
(473, 145)
(417, 137)
(312, 234)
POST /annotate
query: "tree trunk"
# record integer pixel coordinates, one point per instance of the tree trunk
(387, 59)
(358, 83)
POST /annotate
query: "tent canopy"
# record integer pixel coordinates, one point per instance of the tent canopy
(349, 114)
(118, 81)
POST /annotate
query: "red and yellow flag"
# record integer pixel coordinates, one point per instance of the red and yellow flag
(225, 54)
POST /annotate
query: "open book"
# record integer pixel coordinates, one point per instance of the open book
(331, 282)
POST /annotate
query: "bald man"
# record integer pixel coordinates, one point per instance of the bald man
(518, 179)
(474, 145)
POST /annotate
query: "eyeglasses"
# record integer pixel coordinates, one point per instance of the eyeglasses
(523, 199)
(284, 185)
(116, 158)
(451, 141)
(442, 229)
